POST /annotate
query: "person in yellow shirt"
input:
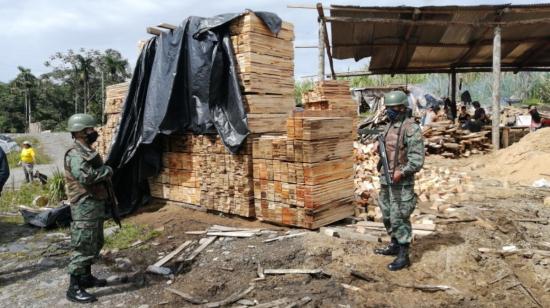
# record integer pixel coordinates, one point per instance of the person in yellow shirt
(27, 160)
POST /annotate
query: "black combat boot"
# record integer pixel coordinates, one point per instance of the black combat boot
(402, 261)
(89, 281)
(76, 292)
(391, 250)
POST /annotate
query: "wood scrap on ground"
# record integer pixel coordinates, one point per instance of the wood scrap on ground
(187, 297)
(231, 299)
(283, 237)
(196, 252)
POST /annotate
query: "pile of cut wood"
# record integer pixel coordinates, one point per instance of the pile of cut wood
(448, 140)
(115, 96)
(265, 65)
(437, 188)
(197, 170)
(305, 178)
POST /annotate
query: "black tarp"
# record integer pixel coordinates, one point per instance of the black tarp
(185, 80)
(56, 217)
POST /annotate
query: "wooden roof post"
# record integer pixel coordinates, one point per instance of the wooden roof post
(496, 89)
(453, 89)
(321, 72)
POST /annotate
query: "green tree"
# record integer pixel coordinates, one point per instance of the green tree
(25, 82)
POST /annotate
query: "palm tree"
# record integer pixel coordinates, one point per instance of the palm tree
(25, 81)
(114, 65)
(84, 69)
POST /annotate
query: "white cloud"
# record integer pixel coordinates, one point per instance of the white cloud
(32, 30)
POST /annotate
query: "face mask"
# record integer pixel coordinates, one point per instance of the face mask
(392, 114)
(91, 137)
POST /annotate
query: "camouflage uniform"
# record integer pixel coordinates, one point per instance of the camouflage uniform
(85, 176)
(405, 150)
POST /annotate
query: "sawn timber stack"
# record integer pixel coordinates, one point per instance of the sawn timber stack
(305, 178)
(265, 65)
(115, 95)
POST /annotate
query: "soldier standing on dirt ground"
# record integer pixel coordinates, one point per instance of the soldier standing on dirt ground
(405, 152)
(86, 178)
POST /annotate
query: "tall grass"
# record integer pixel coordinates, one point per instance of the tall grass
(56, 187)
(11, 199)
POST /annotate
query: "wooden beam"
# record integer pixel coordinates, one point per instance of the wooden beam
(153, 30)
(430, 10)
(403, 47)
(321, 55)
(495, 118)
(532, 54)
(167, 26)
(444, 9)
(439, 70)
(325, 38)
(453, 88)
(439, 23)
(474, 48)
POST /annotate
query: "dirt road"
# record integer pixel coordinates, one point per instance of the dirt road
(54, 145)
(449, 269)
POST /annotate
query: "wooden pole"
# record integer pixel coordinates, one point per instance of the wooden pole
(453, 89)
(326, 40)
(321, 73)
(496, 89)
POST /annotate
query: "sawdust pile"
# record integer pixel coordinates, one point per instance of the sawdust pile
(524, 162)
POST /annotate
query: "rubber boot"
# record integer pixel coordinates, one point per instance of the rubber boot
(89, 281)
(77, 294)
(391, 250)
(402, 261)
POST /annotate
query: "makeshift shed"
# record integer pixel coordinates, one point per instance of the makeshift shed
(439, 39)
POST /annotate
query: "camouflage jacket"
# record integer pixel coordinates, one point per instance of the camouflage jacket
(85, 174)
(410, 149)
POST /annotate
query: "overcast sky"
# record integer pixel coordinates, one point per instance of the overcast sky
(33, 30)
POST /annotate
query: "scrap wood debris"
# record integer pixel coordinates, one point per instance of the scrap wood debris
(438, 188)
(450, 141)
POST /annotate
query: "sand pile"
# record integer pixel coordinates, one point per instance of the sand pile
(524, 162)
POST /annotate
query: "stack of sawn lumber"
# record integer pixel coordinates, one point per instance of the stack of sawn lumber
(197, 170)
(115, 95)
(331, 95)
(305, 178)
(449, 140)
(265, 67)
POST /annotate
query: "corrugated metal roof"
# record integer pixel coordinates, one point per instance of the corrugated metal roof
(437, 38)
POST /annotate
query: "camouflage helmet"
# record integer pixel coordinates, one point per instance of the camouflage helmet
(395, 98)
(80, 121)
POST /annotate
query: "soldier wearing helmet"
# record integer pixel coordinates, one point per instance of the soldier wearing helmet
(405, 152)
(86, 178)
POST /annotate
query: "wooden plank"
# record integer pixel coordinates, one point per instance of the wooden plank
(169, 256)
(199, 249)
(187, 297)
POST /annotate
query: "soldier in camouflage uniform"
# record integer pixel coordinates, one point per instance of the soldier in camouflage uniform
(405, 152)
(86, 179)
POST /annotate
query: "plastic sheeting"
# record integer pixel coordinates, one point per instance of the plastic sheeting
(57, 217)
(185, 80)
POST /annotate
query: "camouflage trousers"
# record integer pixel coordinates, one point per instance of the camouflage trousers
(86, 234)
(396, 212)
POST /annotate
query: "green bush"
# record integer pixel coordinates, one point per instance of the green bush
(56, 187)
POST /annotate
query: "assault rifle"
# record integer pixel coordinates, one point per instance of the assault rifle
(383, 156)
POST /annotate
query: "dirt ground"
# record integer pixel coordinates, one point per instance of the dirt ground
(32, 263)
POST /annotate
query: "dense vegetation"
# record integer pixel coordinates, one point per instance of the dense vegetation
(531, 88)
(73, 84)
